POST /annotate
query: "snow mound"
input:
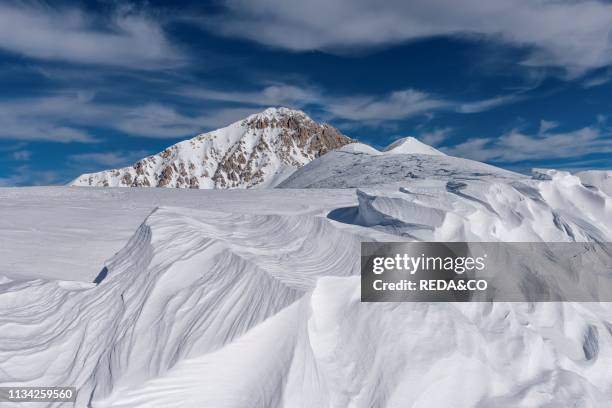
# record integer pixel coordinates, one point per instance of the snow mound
(359, 148)
(600, 179)
(411, 145)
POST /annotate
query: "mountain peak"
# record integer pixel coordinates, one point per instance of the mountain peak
(278, 111)
(411, 145)
(259, 151)
(279, 117)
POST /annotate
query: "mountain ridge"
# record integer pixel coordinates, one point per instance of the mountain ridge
(258, 151)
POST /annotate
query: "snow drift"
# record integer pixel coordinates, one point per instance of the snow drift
(228, 309)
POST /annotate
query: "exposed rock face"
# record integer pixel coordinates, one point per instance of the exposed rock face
(259, 151)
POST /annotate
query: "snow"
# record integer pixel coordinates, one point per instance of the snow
(251, 298)
(68, 232)
(599, 179)
(406, 145)
(411, 145)
(347, 169)
(259, 151)
(359, 148)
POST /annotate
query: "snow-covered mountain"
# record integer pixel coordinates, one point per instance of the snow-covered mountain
(259, 151)
(411, 145)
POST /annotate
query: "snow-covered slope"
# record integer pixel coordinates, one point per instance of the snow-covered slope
(256, 303)
(259, 151)
(410, 145)
(349, 167)
(359, 148)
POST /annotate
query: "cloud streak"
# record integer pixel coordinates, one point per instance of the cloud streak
(516, 146)
(65, 118)
(108, 159)
(125, 39)
(563, 33)
(393, 106)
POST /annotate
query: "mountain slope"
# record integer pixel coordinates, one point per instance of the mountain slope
(259, 151)
(350, 168)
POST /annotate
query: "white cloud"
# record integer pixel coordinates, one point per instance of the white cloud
(546, 125)
(22, 155)
(25, 175)
(598, 80)
(487, 104)
(277, 94)
(67, 116)
(436, 136)
(516, 146)
(396, 105)
(108, 159)
(575, 35)
(63, 118)
(69, 34)
(42, 119)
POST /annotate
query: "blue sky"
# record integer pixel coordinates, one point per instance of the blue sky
(92, 85)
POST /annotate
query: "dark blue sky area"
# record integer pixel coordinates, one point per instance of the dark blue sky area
(92, 85)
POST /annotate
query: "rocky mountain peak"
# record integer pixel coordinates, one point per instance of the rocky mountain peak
(258, 151)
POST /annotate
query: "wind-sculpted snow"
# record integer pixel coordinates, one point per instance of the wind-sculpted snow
(561, 209)
(226, 308)
(187, 283)
(598, 179)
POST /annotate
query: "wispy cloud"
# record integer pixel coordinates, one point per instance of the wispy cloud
(108, 159)
(436, 136)
(516, 146)
(393, 106)
(269, 95)
(22, 155)
(599, 79)
(125, 39)
(26, 175)
(564, 33)
(487, 104)
(66, 117)
(42, 119)
(546, 125)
